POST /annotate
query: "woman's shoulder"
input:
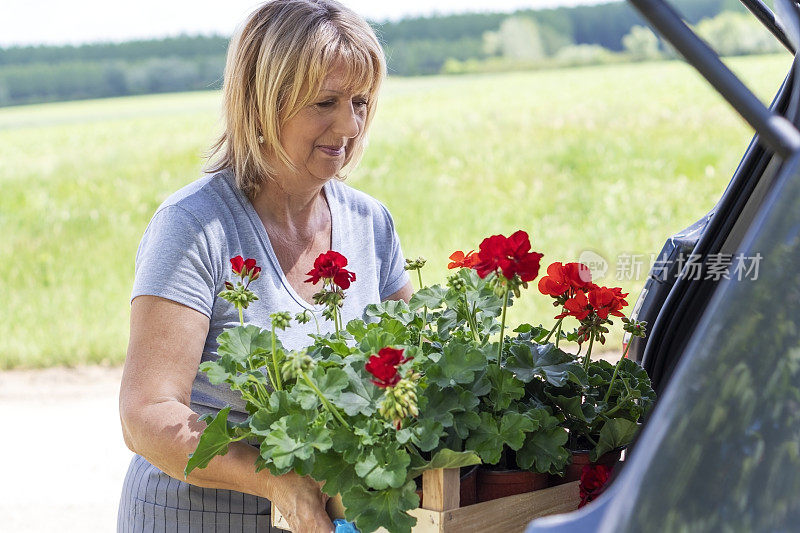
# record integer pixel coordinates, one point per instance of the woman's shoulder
(356, 201)
(204, 197)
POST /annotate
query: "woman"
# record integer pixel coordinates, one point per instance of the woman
(300, 90)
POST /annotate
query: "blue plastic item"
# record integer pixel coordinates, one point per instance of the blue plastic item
(343, 526)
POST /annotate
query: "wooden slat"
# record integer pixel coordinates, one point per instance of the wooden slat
(513, 513)
(441, 489)
(509, 515)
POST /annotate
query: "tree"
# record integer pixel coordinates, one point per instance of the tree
(520, 38)
(641, 43)
(732, 34)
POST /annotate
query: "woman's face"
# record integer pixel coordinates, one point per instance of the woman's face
(318, 139)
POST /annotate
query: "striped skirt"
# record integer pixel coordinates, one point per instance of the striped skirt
(154, 502)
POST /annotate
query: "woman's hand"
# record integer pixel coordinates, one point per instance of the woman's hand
(301, 502)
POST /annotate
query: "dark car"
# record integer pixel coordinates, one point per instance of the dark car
(721, 450)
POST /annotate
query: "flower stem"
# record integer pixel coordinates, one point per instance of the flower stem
(424, 310)
(473, 325)
(333, 410)
(276, 370)
(588, 355)
(315, 320)
(616, 369)
(556, 327)
(241, 315)
(502, 329)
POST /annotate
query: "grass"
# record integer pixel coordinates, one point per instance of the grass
(611, 159)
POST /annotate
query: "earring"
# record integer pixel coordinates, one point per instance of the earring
(260, 139)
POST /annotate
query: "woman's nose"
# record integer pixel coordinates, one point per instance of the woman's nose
(348, 121)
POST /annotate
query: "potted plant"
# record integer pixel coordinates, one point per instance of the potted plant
(601, 403)
(343, 411)
(435, 383)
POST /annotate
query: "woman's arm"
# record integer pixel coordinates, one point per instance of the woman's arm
(403, 294)
(165, 348)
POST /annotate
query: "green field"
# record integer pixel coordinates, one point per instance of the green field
(611, 159)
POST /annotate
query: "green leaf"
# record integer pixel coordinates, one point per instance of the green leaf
(383, 467)
(372, 510)
(280, 405)
(433, 297)
(368, 431)
(241, 342)
(574, 408)
(615, 433)
(444, 459)
(218, 372)
(331, 382)
(389, 309)
(556, 366)
(375, 339)
(426, 434)
(488, 439)
(357, 328)
(339, 475)
(531, 333)
(464, 423)
(292, 441)
(505, 388)
(458, 364)
(213, 442)
(440, 404)
(361, 397)
(347, 444)
(543, 449)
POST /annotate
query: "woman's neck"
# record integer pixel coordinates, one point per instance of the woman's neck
(292, 208)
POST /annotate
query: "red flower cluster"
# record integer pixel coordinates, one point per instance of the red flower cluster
(600, 300)
(607, 301)
(460, 260)
(565, 279)
(384, 367)
(593, 482)
(245, 267)
(508, 256)
(330, 266)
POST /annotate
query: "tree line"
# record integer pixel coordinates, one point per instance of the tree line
(414, 46)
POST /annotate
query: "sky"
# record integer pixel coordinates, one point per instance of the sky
(31, 22)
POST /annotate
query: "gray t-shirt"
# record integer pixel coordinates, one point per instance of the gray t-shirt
(185, 256)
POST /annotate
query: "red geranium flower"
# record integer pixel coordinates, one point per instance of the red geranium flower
(593, 482)
(330, 266)
(459, 260)
(577, 306)
(384, 366)
(565, 279)
(607, 301)
(508, 256)
(245, 267)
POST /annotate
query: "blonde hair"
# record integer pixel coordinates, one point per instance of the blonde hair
(276, 65)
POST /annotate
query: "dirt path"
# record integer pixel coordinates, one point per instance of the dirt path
(62, 451)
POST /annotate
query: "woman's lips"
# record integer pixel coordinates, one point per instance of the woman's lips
(333, 151)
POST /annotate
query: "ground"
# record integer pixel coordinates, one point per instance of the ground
(63, 455)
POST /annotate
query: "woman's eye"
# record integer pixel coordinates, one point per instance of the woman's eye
(360, 103)
(325, 103)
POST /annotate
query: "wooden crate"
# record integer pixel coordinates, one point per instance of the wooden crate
(441, 512)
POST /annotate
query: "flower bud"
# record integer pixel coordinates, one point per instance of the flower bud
(296, 362)
(415, 264)
(281, 320)
(302, 318)
(456, 282)
(400, 402)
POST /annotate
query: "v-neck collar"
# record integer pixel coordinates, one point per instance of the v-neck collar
(333, 205)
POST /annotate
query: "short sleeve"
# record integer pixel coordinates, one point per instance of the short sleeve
(393, 275)
(174, 261)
